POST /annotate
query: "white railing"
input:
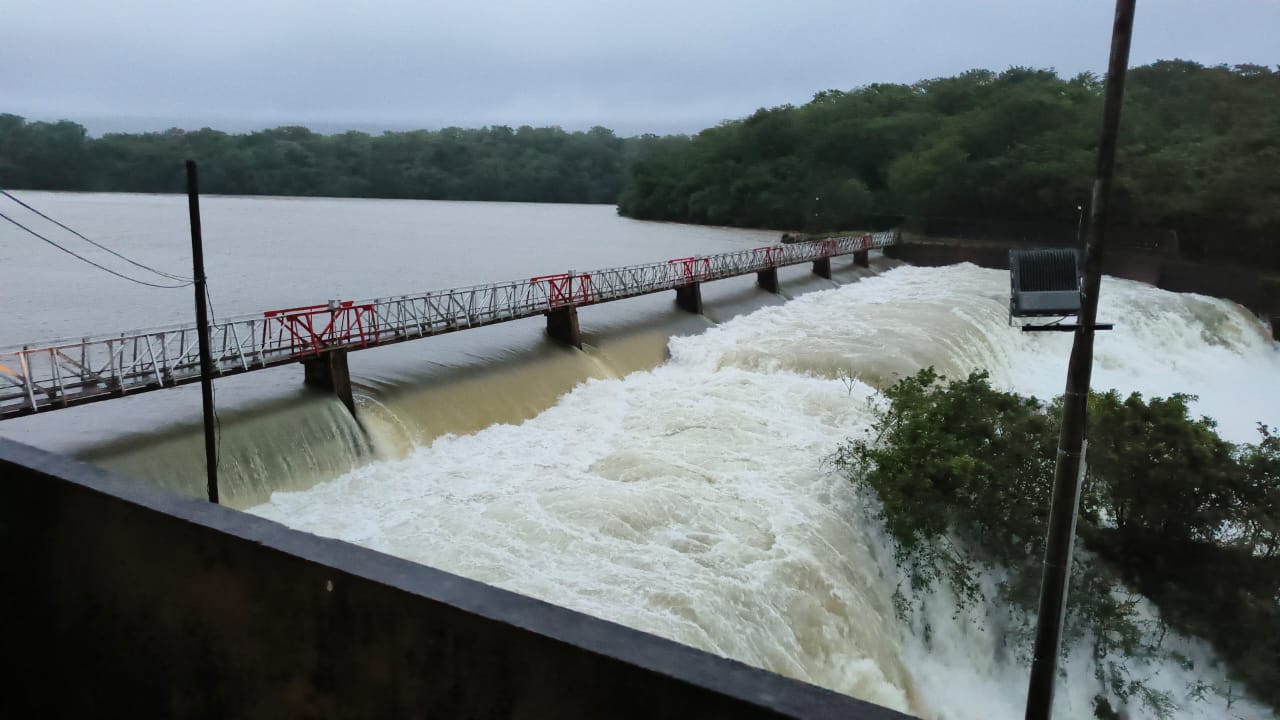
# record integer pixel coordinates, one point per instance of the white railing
(45, 376)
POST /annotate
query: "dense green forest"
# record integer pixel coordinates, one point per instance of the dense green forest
(1200, 146)
(494, 163)
(1199, 154)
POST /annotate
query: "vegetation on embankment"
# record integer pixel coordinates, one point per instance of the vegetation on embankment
(492, 163)
(963, 475)
(1199, 153)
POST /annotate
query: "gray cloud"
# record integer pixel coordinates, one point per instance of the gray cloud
(644, 65)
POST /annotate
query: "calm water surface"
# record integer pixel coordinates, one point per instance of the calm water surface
(267, 253)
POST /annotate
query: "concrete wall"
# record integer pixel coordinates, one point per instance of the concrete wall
(123, 600)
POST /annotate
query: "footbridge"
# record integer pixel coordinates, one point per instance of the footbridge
(40, 377)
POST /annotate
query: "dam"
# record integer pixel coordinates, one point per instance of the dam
(668, 475)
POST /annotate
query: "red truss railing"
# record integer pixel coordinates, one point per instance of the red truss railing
(773, 254)
(567, 288)
(692, 269)
(315, 327)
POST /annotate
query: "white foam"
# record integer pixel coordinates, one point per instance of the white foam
(692, 502)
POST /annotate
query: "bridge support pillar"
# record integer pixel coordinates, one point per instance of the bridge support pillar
(768, 279)
(822, 267)
(562, 326)
(860, 259)
(689, 298)
(1275, 326)
(328, 371)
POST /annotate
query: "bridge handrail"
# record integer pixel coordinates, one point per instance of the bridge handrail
(160, 356)
(879, 240)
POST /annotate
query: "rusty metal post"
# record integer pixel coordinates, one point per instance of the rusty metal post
(202, 329)
(1071, 442)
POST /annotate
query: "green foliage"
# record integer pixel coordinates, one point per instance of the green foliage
(963, 476)
(1142, 458)
(1258, 509)
(938, 450)
(1199, 145)
(495, 163)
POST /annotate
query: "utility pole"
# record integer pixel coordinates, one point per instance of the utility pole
(202, 329)
(1071, 443)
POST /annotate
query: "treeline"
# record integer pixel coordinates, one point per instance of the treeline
(492, 163)
(1199, 154)
(1199, 145)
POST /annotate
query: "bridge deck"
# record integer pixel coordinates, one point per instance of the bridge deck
(39, 377)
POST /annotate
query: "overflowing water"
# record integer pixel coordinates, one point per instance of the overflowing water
(669, 476)
(692, 500)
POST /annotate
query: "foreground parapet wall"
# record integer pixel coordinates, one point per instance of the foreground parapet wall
(122, 600)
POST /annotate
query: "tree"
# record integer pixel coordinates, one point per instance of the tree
(961, 475)
(1258, 508)
(531, 164)
(1199, 152)
(1159, 471)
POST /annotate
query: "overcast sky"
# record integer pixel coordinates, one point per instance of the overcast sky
(634, 65)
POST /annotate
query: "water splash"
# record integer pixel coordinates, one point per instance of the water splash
(691, 501)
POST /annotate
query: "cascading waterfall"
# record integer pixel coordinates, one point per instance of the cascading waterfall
(294, 442)
(291, 444)
(692, 500)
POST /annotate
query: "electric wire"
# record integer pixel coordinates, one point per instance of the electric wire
(98, 245)
(82, 258)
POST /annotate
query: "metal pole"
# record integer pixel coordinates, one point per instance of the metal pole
(202, 329)
(1057, 553)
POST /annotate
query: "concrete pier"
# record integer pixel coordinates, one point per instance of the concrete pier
(328, 371)
(768, 279)
(562, 326)
(822, 267)
(861, 260)
(689, 298)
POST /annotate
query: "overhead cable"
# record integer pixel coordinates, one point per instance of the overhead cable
(82, 258)
(98, 245)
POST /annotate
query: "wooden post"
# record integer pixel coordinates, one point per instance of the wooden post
(1071, 441)
(202, 328)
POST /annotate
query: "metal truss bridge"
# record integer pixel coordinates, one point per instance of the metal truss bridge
(40, 377)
